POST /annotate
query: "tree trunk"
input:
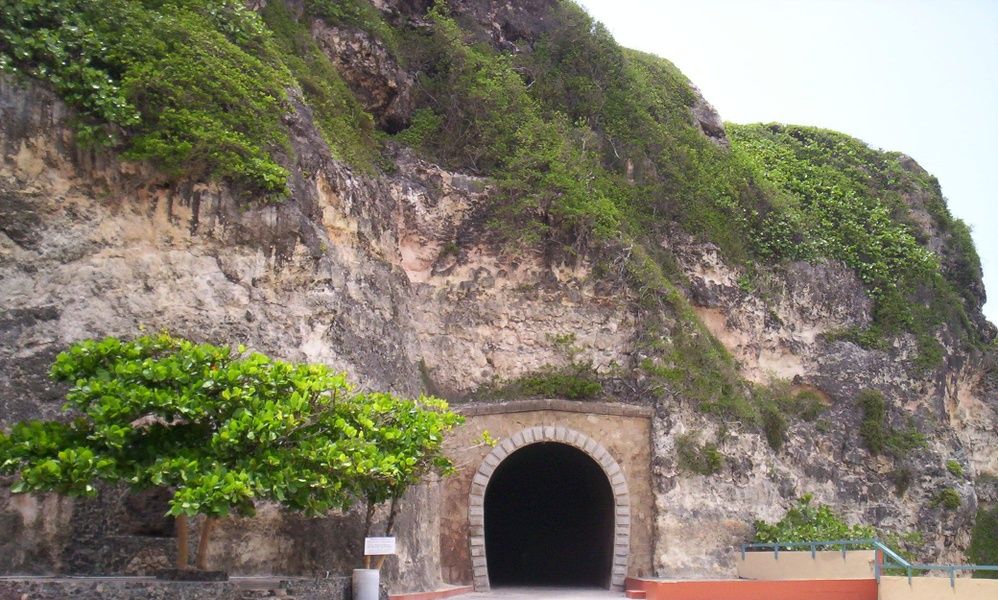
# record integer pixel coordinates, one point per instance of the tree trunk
(183, 535)
(392, 513)
(206, 527)
(368, 519)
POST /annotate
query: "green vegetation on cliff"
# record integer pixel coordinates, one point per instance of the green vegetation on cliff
(478, 115)
(346, 127)
(983, 548)
(834, 197)
(595, 146)
(807, 522)
(878, 436)
(356, 14)
(594, 150)
(694, 457)
(591, 144)
(197, 87)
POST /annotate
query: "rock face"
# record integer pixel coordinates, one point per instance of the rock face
(338, 588)
(380, 83)
(707, 118)
(391, 279)
(350, 271)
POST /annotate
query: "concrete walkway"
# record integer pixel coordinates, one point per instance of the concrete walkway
(543, 593)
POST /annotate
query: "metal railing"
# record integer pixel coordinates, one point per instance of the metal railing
(888, 559)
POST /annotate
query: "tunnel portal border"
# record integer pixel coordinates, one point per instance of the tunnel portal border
(569, 437)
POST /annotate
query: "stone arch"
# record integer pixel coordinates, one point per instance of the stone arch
(562, 435)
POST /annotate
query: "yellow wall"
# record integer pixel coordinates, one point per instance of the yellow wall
(858, 564)
(829, 564)
(937, 588)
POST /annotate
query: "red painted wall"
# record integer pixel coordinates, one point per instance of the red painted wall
(447, 593)
(745, 589)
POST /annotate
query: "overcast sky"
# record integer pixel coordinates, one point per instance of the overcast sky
(918, 76)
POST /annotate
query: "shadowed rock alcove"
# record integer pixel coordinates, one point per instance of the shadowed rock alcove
(549, 519)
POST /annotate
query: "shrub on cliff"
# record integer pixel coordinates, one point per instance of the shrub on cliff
(694, 457)
(810, 522)
(222, 429)
(879, 436)
(983, 549)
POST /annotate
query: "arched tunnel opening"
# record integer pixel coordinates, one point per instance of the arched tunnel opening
(549, 519)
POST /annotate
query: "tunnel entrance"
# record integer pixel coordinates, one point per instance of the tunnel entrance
(549, 519)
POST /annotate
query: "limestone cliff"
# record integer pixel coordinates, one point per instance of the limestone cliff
(395, 273)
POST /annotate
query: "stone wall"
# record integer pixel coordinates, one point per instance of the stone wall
(147, 588)
(623, 430)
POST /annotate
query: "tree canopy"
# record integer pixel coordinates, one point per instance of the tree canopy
(223, 429)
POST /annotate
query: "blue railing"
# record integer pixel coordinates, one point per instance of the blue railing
(891, 559)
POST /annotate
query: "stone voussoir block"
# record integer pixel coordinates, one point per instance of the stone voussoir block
(500, 452)
(528, 437)
(519, 440)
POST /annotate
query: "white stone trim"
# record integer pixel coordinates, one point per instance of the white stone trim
(562, 435)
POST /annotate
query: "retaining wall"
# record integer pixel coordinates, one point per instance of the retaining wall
(937, 588)
(745, 589)
(828, 564)
(148, 588)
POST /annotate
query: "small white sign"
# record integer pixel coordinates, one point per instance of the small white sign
(379, 546)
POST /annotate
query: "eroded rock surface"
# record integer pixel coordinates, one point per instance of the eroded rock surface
(350, 271)
(384, 87)
(393, 279)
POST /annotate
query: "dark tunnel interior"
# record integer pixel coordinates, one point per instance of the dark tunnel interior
(549, 519)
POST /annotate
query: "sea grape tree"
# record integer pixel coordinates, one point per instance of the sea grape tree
(222, 429)
(410, 435)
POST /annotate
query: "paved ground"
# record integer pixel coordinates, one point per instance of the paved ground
(550, 593)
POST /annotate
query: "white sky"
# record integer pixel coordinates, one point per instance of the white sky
(917, 76)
